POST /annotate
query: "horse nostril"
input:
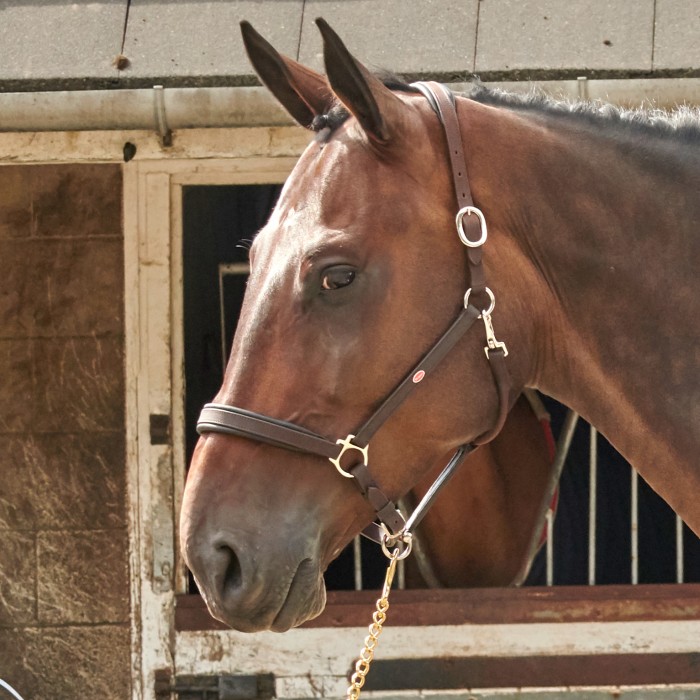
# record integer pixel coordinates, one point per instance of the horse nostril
(233, 577)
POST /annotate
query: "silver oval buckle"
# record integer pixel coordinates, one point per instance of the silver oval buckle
(348, 445)
(460, 227)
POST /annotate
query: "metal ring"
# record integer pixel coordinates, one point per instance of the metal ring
(460, 227)
(402, 543)
(492, 306)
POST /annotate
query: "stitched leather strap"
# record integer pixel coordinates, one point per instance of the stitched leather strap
(447, 113)
(231, 420)
(442, 347)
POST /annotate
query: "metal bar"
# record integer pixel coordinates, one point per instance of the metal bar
(634, 528)
(222, 319)
(10, 689)
(161, 121)
(582, 87)
(445, 475)
(226, 269)
(550, 547)
(401, 575)
(357, 561)
(592, 502)
(680, 574)
(563, 446)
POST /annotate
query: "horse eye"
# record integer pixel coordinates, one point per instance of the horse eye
(337, 277)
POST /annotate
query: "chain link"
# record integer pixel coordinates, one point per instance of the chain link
(375, 629)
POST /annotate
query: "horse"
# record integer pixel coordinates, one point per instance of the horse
(577, 239)
(487, 527)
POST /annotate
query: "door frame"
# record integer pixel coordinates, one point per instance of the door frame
(155, 384)
(313, 660)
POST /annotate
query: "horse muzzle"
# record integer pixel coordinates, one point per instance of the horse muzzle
(253, 586)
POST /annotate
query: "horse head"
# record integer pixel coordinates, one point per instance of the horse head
(356, 274)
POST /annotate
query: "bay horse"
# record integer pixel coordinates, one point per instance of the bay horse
(590, 254)
(487, 527)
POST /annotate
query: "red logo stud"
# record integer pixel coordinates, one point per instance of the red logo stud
(418, 376)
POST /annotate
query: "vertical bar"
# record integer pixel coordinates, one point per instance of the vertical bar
(222, 319)
(550, 547)
(401, 575)
(563, 444)
(634, 527)
(226, 269)
(592, 502)
(357, 561)
(680, 575)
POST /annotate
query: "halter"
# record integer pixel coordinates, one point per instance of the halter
(350, 455)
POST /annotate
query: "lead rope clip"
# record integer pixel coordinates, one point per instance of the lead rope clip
(492, 343)
(363, 663)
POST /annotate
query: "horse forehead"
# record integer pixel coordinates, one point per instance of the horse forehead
(286, 233)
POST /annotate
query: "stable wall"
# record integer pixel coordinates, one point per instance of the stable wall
(64, 588)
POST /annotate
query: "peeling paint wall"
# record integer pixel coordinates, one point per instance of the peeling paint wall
(64, 589)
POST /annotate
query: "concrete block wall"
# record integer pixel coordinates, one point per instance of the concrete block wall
(67, 45)
(64, 588)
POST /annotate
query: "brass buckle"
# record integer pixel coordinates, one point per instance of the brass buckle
(348, 445)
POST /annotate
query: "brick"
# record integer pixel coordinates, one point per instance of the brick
(62, 482)
(67, 663)
(76, 201)
(16, 202)
(404, 37)
(82, 577)
(551, 36)
(60, 40)
(79, 384)
(61, 287)
(16, 385)
(677, 36)
(213, 49)
(17, 578)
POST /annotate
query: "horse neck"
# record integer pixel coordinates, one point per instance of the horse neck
(605, 223)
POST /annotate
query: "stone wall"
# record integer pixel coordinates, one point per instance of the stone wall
(64, 586)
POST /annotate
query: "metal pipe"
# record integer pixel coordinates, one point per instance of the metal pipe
(226, 269)
(680, 574)
(155, 110)
(563, 445)
(550, 547)
(634, 528)
(592, 502)
(357, 561)
(189, 108)
(10, 689)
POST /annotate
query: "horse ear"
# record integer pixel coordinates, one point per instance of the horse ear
(301, 91)
(373, 104)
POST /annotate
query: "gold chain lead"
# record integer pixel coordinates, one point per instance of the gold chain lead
(375, 629)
